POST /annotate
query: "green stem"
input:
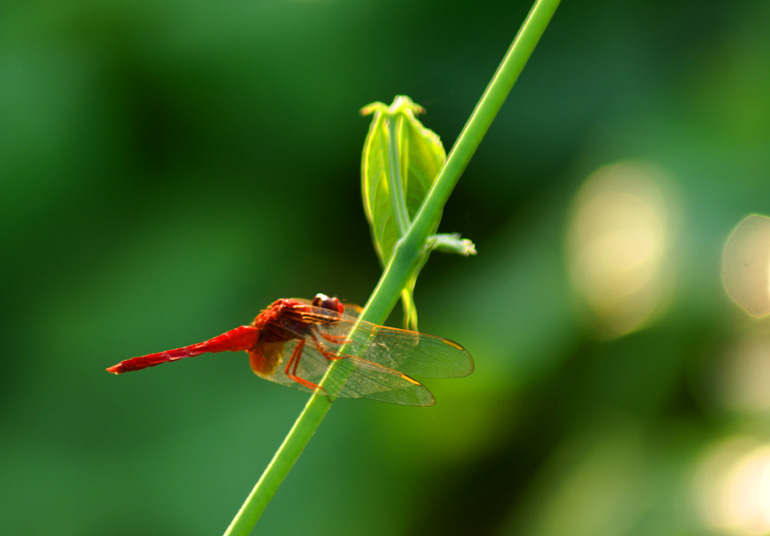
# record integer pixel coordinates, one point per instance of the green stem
(283, 460)
(406, 256)
(483, 115)
(408, 250)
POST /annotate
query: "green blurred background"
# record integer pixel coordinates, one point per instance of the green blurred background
(169, 168)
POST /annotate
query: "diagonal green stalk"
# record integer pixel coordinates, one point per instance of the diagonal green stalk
(406, 256)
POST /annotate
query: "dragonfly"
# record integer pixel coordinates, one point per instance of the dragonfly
(298, 343)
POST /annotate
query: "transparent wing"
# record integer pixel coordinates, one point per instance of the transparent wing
(408, 352)
(349, 378)
(364, 379)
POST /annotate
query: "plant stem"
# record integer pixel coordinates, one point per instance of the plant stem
(283, 460)
(486, 109)
(406, 256)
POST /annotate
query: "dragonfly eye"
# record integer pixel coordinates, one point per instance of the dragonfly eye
(325, 302)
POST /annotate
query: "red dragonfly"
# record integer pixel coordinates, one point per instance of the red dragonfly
(294, 341)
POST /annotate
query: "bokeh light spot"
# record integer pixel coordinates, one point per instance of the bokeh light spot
(746, 265)
(733, 487)
(616, 243)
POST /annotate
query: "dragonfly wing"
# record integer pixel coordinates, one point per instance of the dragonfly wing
(374, 361)
(352, 377)
(349, 378)
(364, 379)
(407, 351)
(276, 355)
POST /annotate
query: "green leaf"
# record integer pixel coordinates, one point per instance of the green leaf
(400, 162)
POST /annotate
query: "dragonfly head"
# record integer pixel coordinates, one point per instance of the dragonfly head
(324, 301)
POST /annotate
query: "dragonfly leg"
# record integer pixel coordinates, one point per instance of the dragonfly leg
(291, 368)
(337, 339)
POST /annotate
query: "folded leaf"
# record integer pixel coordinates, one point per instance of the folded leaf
(401, 159)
